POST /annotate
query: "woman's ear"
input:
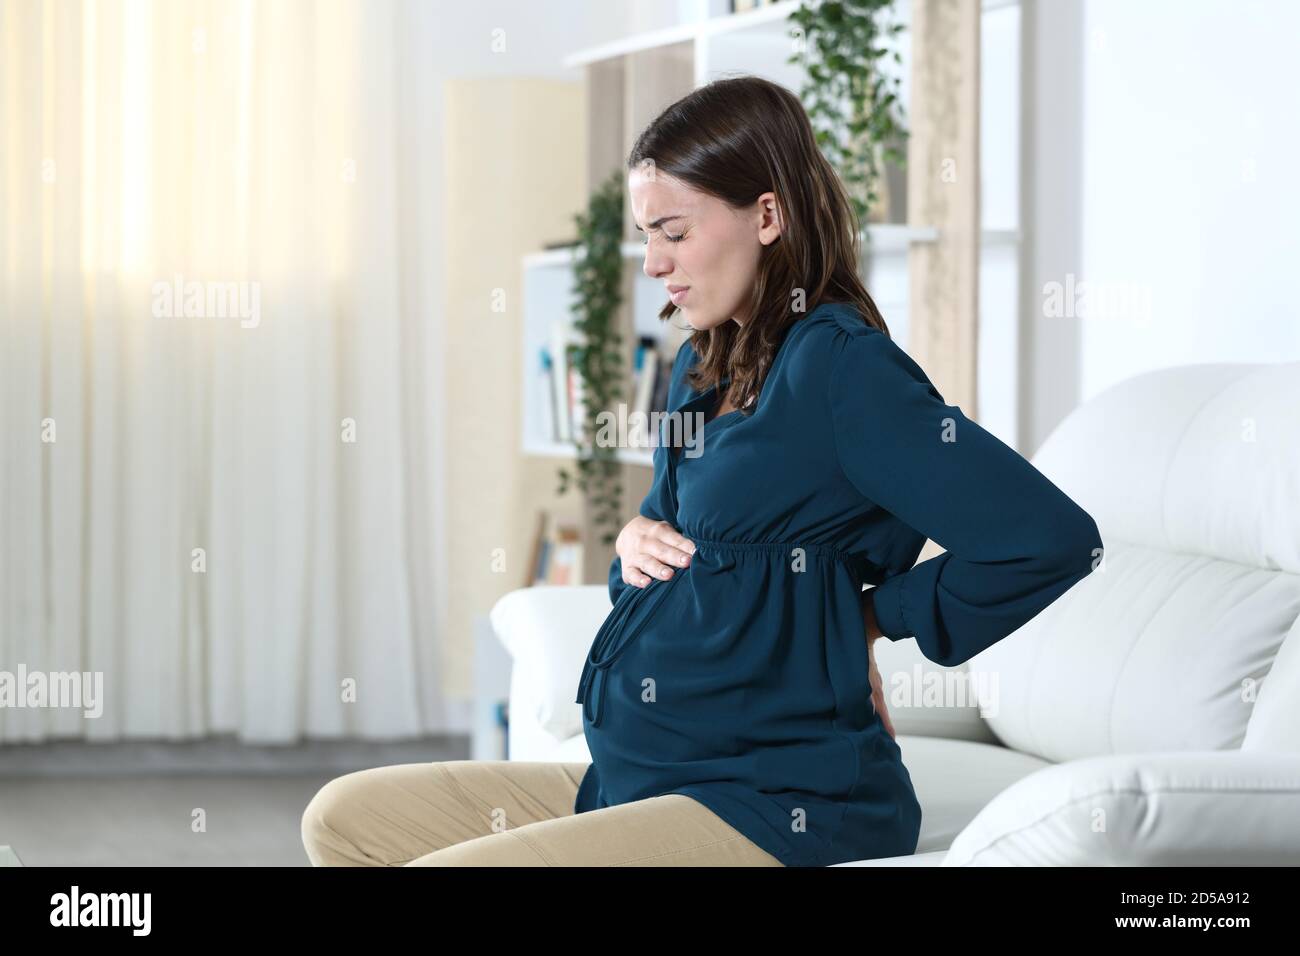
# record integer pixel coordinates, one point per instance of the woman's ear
(770, 224)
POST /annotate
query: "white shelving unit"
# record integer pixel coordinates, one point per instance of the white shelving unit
(756, 41)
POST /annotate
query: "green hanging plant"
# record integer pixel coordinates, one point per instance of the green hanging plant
(854, 107)
(598, 271)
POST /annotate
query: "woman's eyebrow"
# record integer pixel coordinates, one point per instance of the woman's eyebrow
(660, 221)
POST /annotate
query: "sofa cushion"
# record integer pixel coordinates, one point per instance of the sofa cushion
(955, 779)
(1155, 650)
(1225, 808)
(1275, 718)
(1197, 459)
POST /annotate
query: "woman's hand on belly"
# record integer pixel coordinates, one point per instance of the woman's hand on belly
(651, 549)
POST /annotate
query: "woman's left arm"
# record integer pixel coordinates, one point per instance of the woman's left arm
(1014, 541)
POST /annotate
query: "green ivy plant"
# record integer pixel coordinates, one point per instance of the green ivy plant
(853, 105)
(598, 272)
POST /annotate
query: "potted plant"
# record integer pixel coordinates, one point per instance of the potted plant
(598, 358)
(852, 101)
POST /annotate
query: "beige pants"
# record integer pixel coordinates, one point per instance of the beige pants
(508, 813)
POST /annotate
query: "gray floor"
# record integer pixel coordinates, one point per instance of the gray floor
(75, 804)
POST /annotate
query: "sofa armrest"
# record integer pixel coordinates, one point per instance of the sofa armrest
(548, 630)
(1188, 808)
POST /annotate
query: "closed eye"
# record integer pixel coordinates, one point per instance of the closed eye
(646, 240)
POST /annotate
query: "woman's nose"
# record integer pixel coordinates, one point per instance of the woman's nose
(656, 264)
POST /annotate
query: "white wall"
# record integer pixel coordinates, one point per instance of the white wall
(1189, 129)
(998, 373)
(1191, 138)
(1051, 211)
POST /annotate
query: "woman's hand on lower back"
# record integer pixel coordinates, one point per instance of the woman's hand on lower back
(651, 548)
(877, 685)
(878, 690)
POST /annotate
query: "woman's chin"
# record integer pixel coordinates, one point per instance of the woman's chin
(698, 320)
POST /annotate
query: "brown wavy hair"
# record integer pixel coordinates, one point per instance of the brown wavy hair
(737, 138)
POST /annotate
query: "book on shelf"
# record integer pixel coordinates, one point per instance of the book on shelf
(560, 368)
(562, 395)
(535, 554)
(660, 401)
(577, 395)
(646, 373)
(559, 372)
(668, 344)
(548, 412)
(557, 550)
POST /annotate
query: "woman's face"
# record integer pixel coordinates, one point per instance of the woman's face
(697, 241)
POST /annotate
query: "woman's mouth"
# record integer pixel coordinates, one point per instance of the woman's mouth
(677, 293)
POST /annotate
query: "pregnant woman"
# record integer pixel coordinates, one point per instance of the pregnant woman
(730, 700)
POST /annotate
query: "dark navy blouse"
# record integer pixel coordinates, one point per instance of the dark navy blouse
(742, 680)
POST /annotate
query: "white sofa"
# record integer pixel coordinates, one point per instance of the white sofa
(1151, 716)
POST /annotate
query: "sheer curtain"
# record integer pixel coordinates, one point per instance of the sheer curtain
(216, 482)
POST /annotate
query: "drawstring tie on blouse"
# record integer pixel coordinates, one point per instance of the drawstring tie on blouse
(588, 686)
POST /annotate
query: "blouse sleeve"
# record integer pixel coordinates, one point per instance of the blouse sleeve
(658, 504)
(1014, 541)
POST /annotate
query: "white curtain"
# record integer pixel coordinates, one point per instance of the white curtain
(230, 516)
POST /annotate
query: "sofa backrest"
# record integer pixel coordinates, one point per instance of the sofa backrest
(1186, 637)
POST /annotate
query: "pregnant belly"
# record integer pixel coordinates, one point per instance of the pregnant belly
(723, 673)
